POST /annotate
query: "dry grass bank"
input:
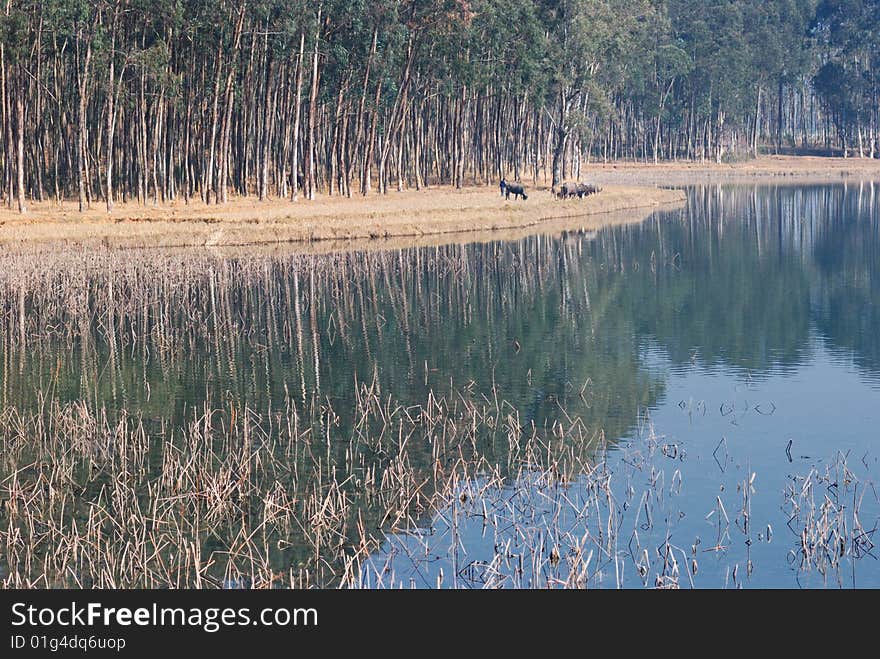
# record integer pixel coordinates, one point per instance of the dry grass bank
(427, 217)
(766, 169)
(417, 216)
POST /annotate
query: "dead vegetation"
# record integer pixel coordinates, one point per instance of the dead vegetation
(441, 211)
(776, 170)
(299, 491)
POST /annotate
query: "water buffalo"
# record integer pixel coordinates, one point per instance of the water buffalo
(516, 189)
(584, 190)
(567, 190)
(503, 187)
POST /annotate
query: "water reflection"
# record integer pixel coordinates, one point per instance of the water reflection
(540, 320)
(744, 285)
(764, 331)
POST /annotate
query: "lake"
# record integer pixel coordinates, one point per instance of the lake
(690, 401)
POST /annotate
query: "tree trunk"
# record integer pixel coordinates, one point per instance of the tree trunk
(371, 140)
(81, 123)
(396, 114)
(559, 135)
(296, 118)
(6, 125)
(756, 126)
(311, 166)
(226, 131)
(208, 179)
(779, 116)
(267, 118)
(111, 110)
(19, 137)
(359, 122)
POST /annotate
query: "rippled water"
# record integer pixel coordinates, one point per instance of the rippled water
(734, 341)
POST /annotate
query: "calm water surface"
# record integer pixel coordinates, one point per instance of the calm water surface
(737, 340)
(761, 344)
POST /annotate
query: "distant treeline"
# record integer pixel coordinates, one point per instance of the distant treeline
(154, 100)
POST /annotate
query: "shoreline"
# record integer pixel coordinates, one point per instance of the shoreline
(771, 170)
(432, 216)
(435, 215)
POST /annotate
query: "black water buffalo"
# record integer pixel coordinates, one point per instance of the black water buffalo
(503, 187)
(515, 189)
(567, 190)
(585, 190)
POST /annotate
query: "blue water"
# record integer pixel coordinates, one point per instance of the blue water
(764, 338)
(729, 353)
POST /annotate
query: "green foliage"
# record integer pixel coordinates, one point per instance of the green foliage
(847, 31)
(662, 54)
(675, 77)
(15, 33)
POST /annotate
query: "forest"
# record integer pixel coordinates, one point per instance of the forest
(151, 101)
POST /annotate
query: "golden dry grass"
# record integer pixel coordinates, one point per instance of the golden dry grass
(439, 211)
(437, 215)
(766, 169)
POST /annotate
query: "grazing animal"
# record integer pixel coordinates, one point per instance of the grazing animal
(579, 190)
(503, 187)
(584, 190)
(567, 190)
(516, 189)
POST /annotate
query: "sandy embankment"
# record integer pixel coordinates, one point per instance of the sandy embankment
(435, 215)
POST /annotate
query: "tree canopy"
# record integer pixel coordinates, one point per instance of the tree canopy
(159, 99)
